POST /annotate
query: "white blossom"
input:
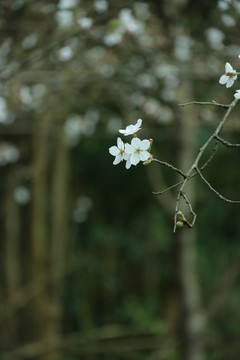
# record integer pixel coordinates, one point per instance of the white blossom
(119, 153)
(65, 53)
(237, 94)
(138, 150)
(229, 77)
(21, 195)
(131, 129)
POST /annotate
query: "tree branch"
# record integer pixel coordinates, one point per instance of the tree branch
(170, 166)
(226, 143)
(215, 191)
(194, 166)
(204, 103)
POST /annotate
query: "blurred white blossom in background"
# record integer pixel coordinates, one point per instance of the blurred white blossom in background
(67, 4)
(21, 195)
(215, 38)
(83, 206)
(64, 18)
(100, 5)
(85, 22)
(29, 41)
(65, 53)
(8, 153)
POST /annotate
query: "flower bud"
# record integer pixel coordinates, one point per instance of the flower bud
(180, 215)
(147, 161)
(179, 224)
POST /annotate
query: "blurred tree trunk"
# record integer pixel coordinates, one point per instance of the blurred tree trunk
(184, 311)
(40, 234)
(48, 248)
(193, 321)
(12, 255)
(59, 236)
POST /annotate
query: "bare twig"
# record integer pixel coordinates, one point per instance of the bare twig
(226, 143)
(204, 103)
(215, 191)
(195, 169)
(194, 166)
(169, 188)
(190, 177)
(170, 167)
(190, 209)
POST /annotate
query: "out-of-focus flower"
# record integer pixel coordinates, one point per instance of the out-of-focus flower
(223, 4)
(67, 4)
(64, 18)
(85, 22)
(21, 195)
(129, 22)
(3, 110)
(101, 5)
(215, 38)
(228, 20)
(83, 206)
(182, 48)
(138, 150)
(29, 41)
(8, 153)
(65, 53)
(229, 77)
(131, 129)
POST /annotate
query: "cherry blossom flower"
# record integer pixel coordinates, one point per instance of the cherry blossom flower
(119, 152)
(131, 129)
(127, 158)
(138, 150)
(237, 94)
(229, 77)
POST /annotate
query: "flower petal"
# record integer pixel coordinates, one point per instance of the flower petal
(223, 79)
(134, 159)
(120, 143)
(117, 160)
(126, 156)
(237, 95)
(145, 144)
(144, 155)
(129, 149)
(139, 123)
(114, 150)
(128, 164)
(122, 131)
(230, 82)
(136, 142)
(228, 67)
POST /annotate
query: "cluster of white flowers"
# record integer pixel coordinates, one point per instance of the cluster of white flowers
(138, 150)
(229, 77)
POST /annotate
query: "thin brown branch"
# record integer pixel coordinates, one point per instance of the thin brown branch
(194, 166)
(215, 191)
(226, 143)
(210, 157)
(190, 177)
(170, 167)
(204, 103)
(190, 209)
